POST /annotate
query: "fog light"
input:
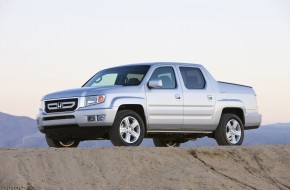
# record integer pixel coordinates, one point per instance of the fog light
(101, 117)
(91, 118)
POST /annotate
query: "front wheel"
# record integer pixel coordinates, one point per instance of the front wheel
(128, 129)
(165, 143)
(61, 144)
(230, 131)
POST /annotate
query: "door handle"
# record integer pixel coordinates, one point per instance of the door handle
(177, 96)
(209, 97)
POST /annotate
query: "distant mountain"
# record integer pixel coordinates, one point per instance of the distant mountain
(18, 131)
(14, 128)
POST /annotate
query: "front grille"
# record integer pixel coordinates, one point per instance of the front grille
(64, 105)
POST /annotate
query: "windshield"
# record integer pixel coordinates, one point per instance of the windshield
(126, 76)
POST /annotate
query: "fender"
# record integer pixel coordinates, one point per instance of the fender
(121, 100)
(226, 103)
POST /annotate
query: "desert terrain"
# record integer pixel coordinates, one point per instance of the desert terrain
(245, 167)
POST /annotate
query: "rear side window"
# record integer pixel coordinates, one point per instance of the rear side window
(192, 78)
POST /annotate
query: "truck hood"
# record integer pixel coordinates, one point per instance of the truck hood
(79, 92)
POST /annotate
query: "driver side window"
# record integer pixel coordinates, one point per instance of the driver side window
(166, 75)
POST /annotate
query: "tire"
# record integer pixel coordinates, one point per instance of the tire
(128, 129)
(165, 143)
(61, 144)
(230, 131)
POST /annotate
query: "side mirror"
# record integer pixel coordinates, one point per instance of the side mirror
(155, 83)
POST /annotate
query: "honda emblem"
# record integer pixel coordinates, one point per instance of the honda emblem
(59, 105)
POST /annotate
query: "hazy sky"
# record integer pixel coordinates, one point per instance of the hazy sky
(51, 45)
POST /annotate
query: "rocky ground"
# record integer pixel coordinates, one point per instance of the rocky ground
(245, 167)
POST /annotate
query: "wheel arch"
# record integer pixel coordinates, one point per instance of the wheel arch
(138, 108)
(235, 110)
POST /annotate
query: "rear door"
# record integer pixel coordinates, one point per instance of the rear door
(199, 100)
(165, 104)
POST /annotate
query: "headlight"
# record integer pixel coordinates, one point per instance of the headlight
(92, 100)
(42, 105)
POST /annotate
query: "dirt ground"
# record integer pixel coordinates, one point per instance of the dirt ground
(245, 167)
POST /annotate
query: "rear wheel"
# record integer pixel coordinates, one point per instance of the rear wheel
(128, 129)
(165, 143)
(61, 144)
(230, 131)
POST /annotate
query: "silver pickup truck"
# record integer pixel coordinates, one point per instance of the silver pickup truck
(169, 102)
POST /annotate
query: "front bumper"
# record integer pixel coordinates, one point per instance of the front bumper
(79, 117)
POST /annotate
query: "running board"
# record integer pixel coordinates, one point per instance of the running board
(207, 132)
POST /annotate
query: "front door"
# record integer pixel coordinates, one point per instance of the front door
(165, 104)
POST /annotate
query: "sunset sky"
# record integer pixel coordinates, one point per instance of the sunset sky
(52, 45)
